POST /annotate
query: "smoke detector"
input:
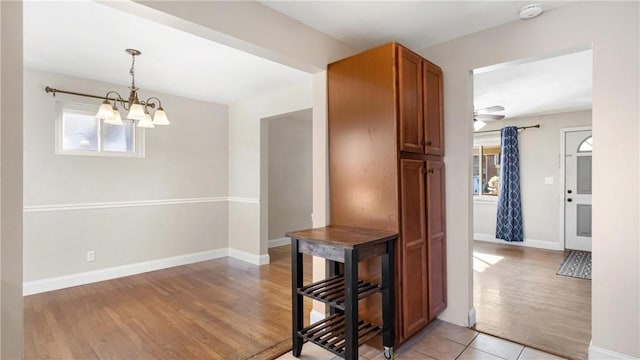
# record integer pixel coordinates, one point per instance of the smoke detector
(530, 11)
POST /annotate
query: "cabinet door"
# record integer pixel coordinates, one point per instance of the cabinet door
(415, 310)
(410, 101)
(436, 244)
(433, 111)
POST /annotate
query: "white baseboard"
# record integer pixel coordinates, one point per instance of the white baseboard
(279, 242)
(598, 353)
(62, 282)
(527, 242)
(315, 316)
(248, 257)
(471, 317)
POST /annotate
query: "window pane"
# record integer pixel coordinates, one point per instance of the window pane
(583, 175)
(79, 132)
(476, 174)
(118, 137)
(586, 145)
(584, 220)
(491, 172)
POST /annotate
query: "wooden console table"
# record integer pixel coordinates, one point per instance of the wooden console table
(342, 332)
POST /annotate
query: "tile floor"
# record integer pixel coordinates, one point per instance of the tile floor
(441, 341)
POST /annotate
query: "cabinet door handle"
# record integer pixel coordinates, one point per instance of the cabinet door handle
(428, 142)
(430, 171)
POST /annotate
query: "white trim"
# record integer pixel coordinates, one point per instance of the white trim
(596, 353)
(61, 282)
(485, 200)
(527, 242)
(279, 242)
(563, 135)
(248, 257)
(247, 200)
(315, 316)
(119, 204)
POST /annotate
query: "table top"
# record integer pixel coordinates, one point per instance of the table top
(344, 236)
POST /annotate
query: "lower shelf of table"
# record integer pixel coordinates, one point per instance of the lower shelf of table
(330, 335)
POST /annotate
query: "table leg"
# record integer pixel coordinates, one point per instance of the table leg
(296, 306)
(388, 299)
(351, 304)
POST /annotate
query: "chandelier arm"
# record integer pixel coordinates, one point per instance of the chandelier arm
(148, 101)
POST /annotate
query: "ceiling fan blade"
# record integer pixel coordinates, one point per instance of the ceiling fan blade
(489, 117)
(491, 109)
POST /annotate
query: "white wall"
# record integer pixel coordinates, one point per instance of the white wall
(290, 193)
(539, 158)
(612, 29)
(179, 188)
(248, 184)
(11, 99)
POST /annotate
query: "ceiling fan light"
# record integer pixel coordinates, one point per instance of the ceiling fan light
(136, 112)
(146, 122)
(160, 117)
(105, 111)
(478, 124)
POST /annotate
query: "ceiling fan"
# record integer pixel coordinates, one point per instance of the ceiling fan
(482, 115)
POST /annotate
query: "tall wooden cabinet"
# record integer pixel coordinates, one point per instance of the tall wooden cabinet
(386, 171)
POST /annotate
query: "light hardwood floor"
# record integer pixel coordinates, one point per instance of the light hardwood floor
(519, 297)
(218, 309)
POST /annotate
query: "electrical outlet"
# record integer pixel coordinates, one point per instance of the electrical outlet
(91, 256)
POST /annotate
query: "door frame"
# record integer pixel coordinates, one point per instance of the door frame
(561, 175)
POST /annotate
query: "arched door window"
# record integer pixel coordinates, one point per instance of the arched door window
(586, 145)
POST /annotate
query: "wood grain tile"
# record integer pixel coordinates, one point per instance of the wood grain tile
(438, 348)
(459, 334)
(498, 347)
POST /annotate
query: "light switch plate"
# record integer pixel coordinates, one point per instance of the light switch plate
(548, 180)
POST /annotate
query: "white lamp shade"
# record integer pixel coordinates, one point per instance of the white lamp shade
(478, 124)
(105, 111)
(136, 112)
(115, 120)
(146, 122)
(160, 117)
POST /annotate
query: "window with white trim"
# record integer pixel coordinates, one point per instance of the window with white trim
(486, 166)
(79, 132)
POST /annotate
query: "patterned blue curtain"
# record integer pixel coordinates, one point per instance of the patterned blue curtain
(509, 217)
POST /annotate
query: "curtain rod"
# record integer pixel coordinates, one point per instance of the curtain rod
(520, 128)
(49, 89)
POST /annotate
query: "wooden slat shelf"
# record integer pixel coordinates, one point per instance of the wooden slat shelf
(331, 291)
(329, 333)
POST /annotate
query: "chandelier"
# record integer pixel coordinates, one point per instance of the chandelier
(138, 110)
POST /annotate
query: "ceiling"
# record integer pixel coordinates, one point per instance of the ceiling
(88, 39)
(415, 24)
(552, 85)
(72, 38)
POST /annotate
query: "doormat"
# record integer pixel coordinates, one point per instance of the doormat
(577, 264)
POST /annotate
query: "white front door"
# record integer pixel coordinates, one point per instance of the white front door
(577, 190)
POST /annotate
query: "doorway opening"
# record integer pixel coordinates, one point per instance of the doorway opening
(517, 293)
(286, 187)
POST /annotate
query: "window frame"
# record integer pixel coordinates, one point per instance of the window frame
(90, 109)
(479, 143)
